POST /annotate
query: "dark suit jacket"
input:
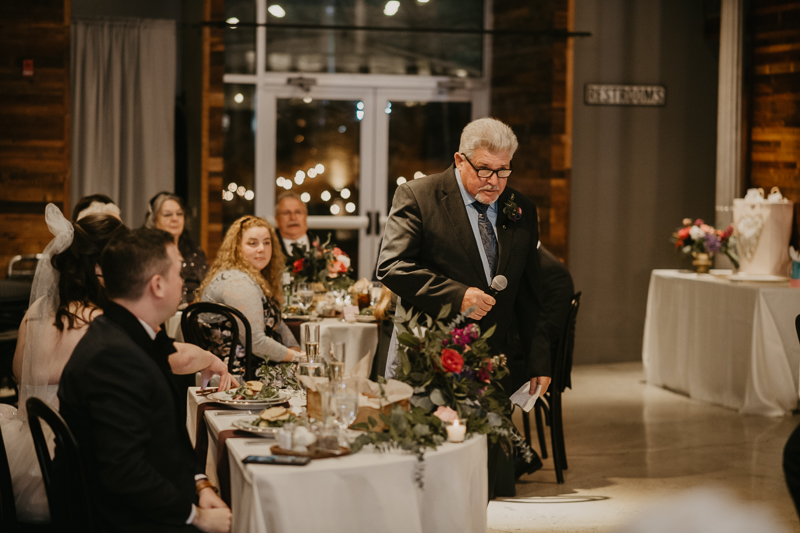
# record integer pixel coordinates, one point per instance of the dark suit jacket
(117, 397)
(557, 293)
(288, 253)
(430, 258)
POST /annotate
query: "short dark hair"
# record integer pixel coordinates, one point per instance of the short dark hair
(86, 201)
(131, 259)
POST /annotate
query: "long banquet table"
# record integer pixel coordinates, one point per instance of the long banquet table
(368, 491)
(730, 343)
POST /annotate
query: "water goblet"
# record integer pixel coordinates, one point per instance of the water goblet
(304, 296)
(344, 400)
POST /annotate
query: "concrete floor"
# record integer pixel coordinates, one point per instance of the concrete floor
(630, 445)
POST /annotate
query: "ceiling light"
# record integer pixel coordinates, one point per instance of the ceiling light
(239, 98)
(391, 7)
(276, 11)
(345, 193)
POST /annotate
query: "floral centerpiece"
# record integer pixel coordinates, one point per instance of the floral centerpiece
(323, 262)
(454, 375)
(700, 238)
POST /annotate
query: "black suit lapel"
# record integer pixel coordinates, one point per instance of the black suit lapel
(453, 205)
(158, 350)
(505, 232)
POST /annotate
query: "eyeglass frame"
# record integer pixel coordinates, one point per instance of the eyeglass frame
(491, 171)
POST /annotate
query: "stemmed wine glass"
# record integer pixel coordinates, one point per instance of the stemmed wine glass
(304, 296)
(344, 404)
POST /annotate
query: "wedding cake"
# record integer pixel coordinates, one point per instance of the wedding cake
(763, 228)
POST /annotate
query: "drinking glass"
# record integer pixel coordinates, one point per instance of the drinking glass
(311, 341)
(375, 293)
(304, 296)
(337, 351)
(336, 371)
(344, 402)
(313, 370)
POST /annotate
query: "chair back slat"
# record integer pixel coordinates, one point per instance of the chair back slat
(563, 364)
(63, 475)
(192, 332)
(8, 511)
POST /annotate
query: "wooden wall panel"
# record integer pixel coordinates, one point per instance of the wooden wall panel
(532, 92)
(34, 122)
(212, 138)
(774, 135)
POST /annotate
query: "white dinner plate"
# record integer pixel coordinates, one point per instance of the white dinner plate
(365, 318)
(225, 398)
(246, 424)
(297, 317)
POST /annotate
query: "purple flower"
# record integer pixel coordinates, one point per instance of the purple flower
(712, 243)
(471, 331)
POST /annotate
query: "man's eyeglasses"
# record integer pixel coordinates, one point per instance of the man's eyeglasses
(486, 173)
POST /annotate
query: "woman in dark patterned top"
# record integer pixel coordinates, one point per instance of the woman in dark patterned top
(247, 275)
(167, 212)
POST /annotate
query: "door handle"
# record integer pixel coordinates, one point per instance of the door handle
(369, 223)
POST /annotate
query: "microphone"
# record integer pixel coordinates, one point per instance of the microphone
(499, 283)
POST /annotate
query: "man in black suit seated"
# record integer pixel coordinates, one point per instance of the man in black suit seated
(117, 395)
(291, 217)
(557, 293)
(449, 234)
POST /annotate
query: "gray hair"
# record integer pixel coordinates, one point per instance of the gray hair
(293, 195)
(487, 133)
(157, 203)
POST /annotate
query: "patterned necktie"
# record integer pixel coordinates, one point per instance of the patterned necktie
(488, 237)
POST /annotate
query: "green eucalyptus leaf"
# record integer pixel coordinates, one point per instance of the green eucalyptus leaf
(436, 397)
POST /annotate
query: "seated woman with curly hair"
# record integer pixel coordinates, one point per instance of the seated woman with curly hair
(247, 276)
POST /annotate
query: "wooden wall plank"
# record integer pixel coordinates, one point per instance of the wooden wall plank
(532, 92)
(774, 134)
(34, 122)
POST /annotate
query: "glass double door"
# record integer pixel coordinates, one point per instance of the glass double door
(345, 150)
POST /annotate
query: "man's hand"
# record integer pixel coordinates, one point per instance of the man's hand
(482, 302)
(213, 520)
(210, 500)
(217, 367)
(544, 381)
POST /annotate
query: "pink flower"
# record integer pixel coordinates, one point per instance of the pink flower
(699, 222)
(683, 233)
(483, 375)
(445, 414)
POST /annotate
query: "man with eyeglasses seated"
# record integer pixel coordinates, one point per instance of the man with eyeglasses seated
(291, 219)
(450, 234)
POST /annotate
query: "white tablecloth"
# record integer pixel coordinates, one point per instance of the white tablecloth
(368, 491)
(728, 343)
(361, 340)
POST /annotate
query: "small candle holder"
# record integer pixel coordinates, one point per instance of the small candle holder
(456, 430)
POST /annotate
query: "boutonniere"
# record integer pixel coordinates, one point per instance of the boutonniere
(512, 210)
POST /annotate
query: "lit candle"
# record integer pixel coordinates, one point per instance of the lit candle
(456, 431)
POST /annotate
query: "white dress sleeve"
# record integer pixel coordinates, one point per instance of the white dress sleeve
(240, 291)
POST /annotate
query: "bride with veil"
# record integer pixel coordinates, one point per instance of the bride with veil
(65, 297)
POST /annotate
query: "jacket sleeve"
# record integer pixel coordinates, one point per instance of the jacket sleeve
(402, 264)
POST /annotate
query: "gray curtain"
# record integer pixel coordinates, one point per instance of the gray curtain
(123, 111)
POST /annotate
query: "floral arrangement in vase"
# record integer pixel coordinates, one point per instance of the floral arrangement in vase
(324, 262)
(696, 238)
(454, 375)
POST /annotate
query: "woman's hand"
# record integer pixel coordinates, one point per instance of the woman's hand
(291, 355)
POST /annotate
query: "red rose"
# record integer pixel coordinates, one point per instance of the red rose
(297, 266)
(683, 233)
(452, 360)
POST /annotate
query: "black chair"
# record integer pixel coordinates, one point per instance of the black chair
(193, 332)
(797, 326)
(8, 511)
(63, 475)
(549, 406)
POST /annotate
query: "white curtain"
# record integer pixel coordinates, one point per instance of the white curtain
(123, 111)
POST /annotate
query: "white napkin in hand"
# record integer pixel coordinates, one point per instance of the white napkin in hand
(524, 399)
